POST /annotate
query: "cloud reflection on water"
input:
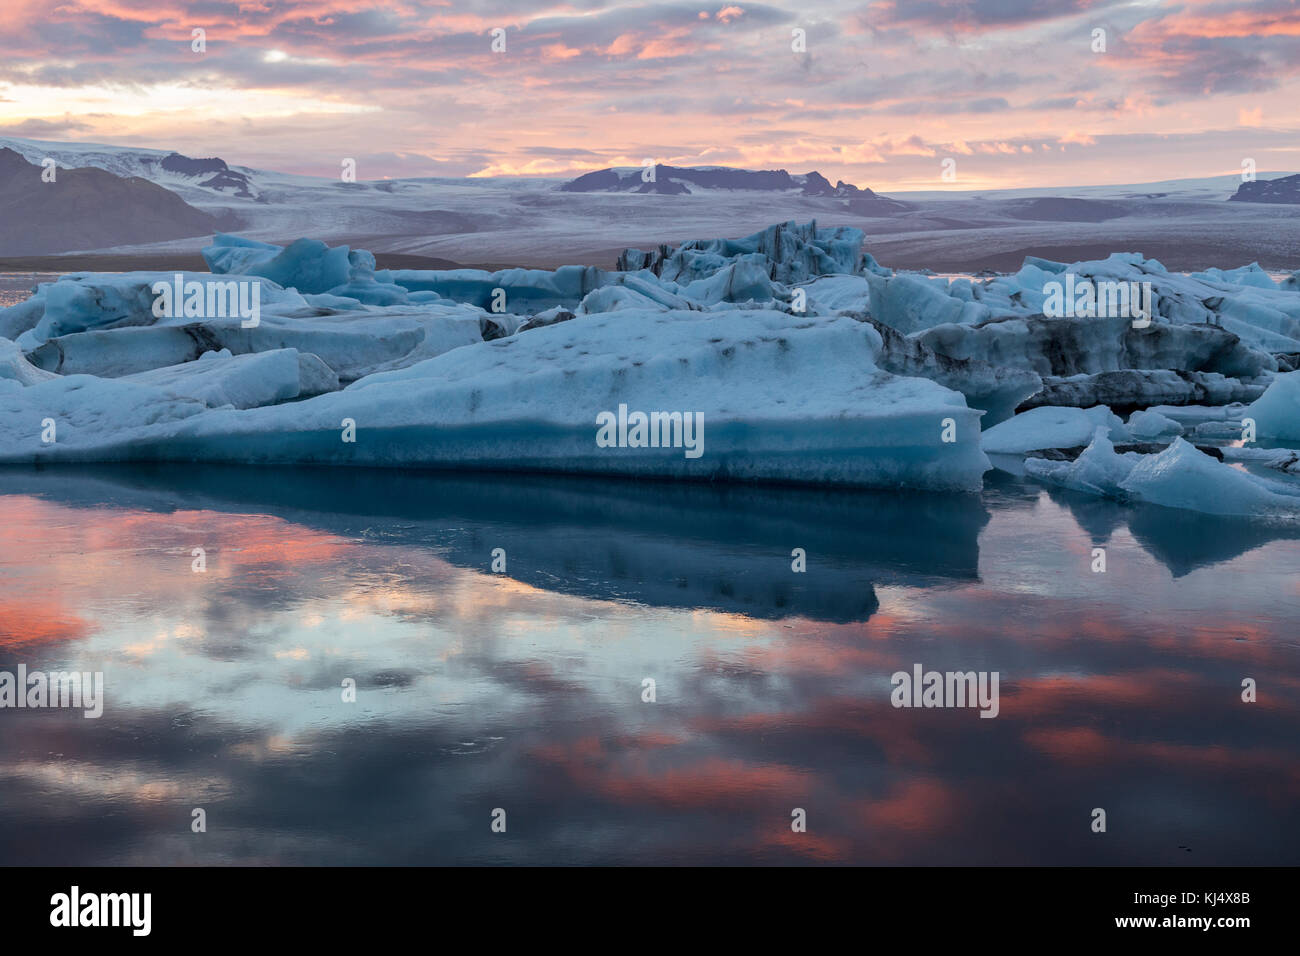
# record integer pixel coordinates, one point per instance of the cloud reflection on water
(524, 691)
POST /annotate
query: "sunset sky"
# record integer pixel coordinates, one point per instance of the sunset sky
(884, 91)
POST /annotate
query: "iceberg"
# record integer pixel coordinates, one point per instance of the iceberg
(1098, 470)
(1150, 425)
(69, 415)
(789, 253)
(1277, 411)
(220, 379)
(1043, 428)
(1181, 476)
(15, 367)
(792, 353)
(523, 291)
(532, 402)
(911, 303)
(1130, 387)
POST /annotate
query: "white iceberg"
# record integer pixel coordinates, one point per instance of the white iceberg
(1048, 427)
(1098, 470)
(532, 402)
(1277, 411)
(1181, 476)
(1149, 425)
(243, 381)
(15, 367)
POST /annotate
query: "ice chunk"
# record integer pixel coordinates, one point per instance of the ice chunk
(827, 295)
(1178, 477)
(243, 381)
(88, 301)
(629, 291)
(1048, 427)
(1188, 415)
(1251, 275)
(1098, 470)
(522, 291)
(15, 367)
(235, 254)
(789, 252)
(307, 265)
(910, 304)
(1277, 411)
(1183, 477)
(1065, 347)
(20, 318)
(998, 391)
(1149, 425)
(1144, 387)
(533, 402)
(1280, 459)
(745, 280)
(92, 418)
(353, 343)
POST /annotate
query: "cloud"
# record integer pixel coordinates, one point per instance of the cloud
(281, 82)
(972, 15)
(40, 128)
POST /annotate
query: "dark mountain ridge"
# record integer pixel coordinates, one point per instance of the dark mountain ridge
(87, 208)
(678, 180)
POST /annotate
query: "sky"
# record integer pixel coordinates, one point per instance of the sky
(1012, 93)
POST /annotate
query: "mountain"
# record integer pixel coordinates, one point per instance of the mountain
(678, 180)
(221, 176)
(1284, 190)
(87, 208)
(193, 179)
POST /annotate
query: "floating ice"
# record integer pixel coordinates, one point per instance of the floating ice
(806, 359)
(1183, 477)
(1044, 428)
(1149, 425)
(1098, 470)
(789, 253)
(531, 402)
(1178, 477)
(15, 367)
(1277, 411)
(243, 381)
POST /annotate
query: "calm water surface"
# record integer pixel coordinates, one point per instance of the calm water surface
(523, 690)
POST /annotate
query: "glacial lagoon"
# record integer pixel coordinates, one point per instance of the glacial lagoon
(520, 694)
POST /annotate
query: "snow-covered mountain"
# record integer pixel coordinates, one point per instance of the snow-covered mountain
(683, 180)
(1186, 224)
(191, 178)
(1284, 190)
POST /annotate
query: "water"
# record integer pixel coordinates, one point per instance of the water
(523, 690)
(17, 287)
